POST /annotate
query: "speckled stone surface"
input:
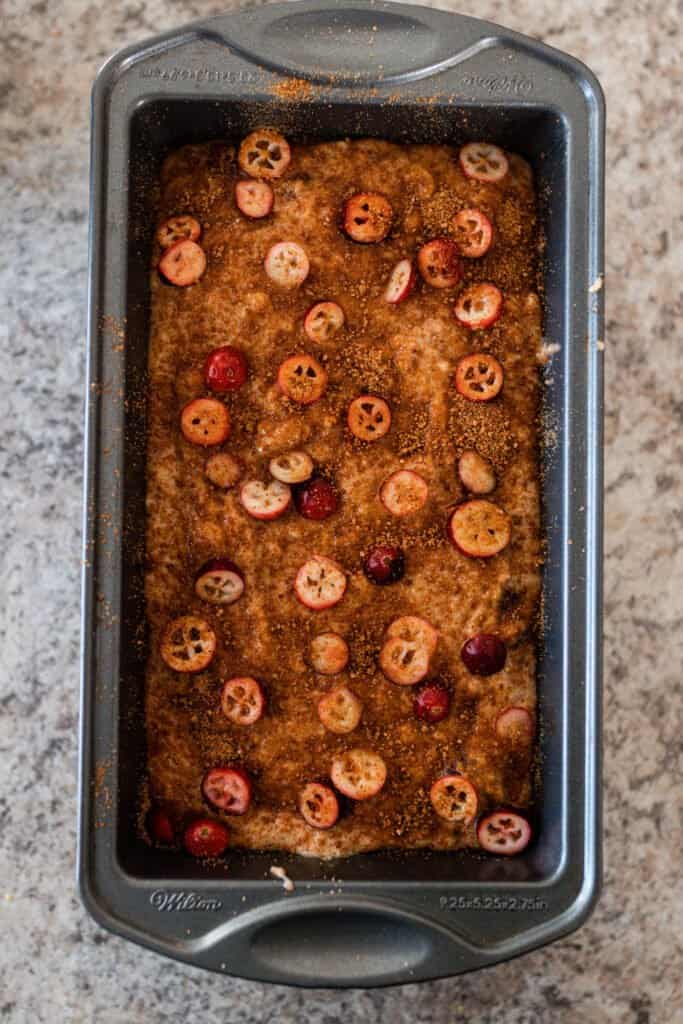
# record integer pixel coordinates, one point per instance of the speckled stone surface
(625, 965)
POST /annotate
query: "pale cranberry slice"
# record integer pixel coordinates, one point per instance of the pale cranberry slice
(243, 700)
(479, 377)
(264, 154)
(254, 198)
(318, 805)
(183, 263)
(188, 644)
(476, 472)
(515, 725)
(504, 832)
(479, 528)
(287, 264)
(439, 263)
(265, 501)
(483, 161)
(369, 417)
(401, 282)
(484, 654)
(473, 233)
(454, 799)
(414, 629)
(404, 662)
(323, 321)
(205, 422)
(340, 710)
(206, 838)
(224, 470)
(359, 773)
(328, 654)
(320, 583)
(178, 229)
(219, 582)
(367, 217)
(479, 306)
(404, 492)
(291, 467)
(227, 789)
(302, 379)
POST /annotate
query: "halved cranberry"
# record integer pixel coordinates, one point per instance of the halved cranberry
(476, 472)
(228, 789)
(328, 654)
(479, 306)
(224, 470)
(367, 217)
(188, 644)
(473, 232)
(384, 564)
(291, 467)
(340, 710)
(404, 662)
(302, 379)
(206, 838)
(404, 492)
(504, 832)
(205, 422)
(316, 499)
(484, 654)
(479, 377)
(401, 282)
(479, 529)
(225, 369)
(320, 583)
(264, 154)
(432, 703)
(483, 161)
(454, 799)
(414, 629)
(358, 774)
(515, 725)
(265, 501)
(439, 263)
(254, 198)
(318, 805)
(243, 700)
(158, 825)
(287, 264)
(183, 263)
(323, 321)
(369, 417)
(219, 581)
(178, 229)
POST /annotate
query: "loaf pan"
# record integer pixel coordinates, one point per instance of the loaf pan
(323, 70)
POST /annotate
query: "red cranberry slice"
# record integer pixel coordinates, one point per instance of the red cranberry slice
(158, 825)
(473, 233)
(183, 263)
(318, 805)
(358, 774)
(479, 377)
(206, 838)
(479, 306)
(432, 703)
(367, 217)
(484, 654)
(439, 263)
(369, 417)
(316, 499)
(401, 282)
(384, 564)
(225, 369)
(320, 583)
(302, 379)
(483, 162)
(178, 229)
(205, 422)
(504, 832)
(228, 789)
(254, 198)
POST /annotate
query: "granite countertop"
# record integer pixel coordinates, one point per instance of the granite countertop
(626, 964)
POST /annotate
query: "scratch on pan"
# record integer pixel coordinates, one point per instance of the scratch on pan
(278, 872)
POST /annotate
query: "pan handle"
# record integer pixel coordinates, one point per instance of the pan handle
(352, 43)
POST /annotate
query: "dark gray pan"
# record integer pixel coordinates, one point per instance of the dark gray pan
(410, 74)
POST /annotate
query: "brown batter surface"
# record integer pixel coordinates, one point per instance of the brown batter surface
(407, 354)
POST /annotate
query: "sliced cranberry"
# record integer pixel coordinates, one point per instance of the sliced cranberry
(323, 321)
(227, 789)
(291, 467)
(158, 825)
(320, 583)
(188, 644)
(476, 472)
(265, 154)
(454, 799)
(225, 369)
(439, 263)
(318, 805)
(205, 422)
(224, 470)
(473, 233)
(340, 710)
(479, 306)
(514, 725)
(483, 161)
(432, 703)
(404, 492)
(316, 499)
(265, 501)
(254, 198)
(287, 264)
(479, 528)
(504, 832)
(243, 700)
(401, 282)
(479, 377)
(302, 379)
(358, 774)
(384, 564)
(414, 629)
(367, 217)
(219, 582)
(178, 229)
(369, 417)
(183, 263)
(206, 838)
(328, 654)
(404, 662)
(484, 654)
